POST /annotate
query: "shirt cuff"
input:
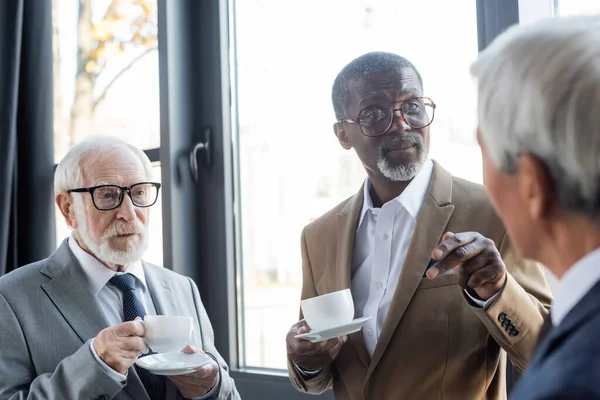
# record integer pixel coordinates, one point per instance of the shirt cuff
(308, 373)
(117, 377)
(482, 303)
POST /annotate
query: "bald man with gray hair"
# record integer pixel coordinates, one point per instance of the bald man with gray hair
(539, 131)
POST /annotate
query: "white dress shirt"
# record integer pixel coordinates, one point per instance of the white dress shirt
(108, 295)
(574, 285)
(382, 239)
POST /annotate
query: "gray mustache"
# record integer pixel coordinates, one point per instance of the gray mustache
(404, 141)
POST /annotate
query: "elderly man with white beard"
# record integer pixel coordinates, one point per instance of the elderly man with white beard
(71, 324)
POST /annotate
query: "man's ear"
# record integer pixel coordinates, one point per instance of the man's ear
(341, 135)
(535, 185)
(65, 204)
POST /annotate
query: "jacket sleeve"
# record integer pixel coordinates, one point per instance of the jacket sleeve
(227, 389)
(323, 381)
(515, 317)
(78, 376)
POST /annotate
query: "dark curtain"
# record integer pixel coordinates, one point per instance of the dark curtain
(27, 231)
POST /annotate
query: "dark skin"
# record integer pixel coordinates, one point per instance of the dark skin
(474, 258)
(391, 88)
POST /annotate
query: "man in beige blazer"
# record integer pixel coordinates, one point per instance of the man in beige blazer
(445, 308)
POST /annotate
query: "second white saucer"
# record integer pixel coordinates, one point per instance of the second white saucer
(326, 334)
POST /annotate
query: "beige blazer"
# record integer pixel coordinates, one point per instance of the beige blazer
(435, 343)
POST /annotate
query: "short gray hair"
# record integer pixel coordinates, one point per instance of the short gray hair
(69, 175)
(367, 65)
(539, 94)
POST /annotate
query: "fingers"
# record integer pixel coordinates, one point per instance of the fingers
(488, 273)
(131, 328)
(195, 378)
(456, 250)
(335, 350)
(189, 349)
(303, 329)
(306, 348)
(468, 268)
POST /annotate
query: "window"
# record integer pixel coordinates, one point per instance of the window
(106, 82)
(577, 7)
(292, 169)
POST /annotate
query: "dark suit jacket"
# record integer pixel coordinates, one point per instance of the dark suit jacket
(48, 316)
(567, 363)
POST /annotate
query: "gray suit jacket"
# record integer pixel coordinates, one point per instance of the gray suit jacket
(48, 316)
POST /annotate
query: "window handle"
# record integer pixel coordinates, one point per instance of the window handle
(202, 149)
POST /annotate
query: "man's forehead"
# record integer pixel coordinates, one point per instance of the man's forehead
(114, 169)
(391, 83)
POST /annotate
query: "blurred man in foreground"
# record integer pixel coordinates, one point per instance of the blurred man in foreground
(539, 131)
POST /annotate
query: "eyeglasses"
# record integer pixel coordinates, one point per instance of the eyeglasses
(376, 120)
(109, 197)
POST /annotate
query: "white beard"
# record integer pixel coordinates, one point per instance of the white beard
(101, 249)
(403, 172)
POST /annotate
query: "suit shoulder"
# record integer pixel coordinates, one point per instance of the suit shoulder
(171, 276)
(23, 277)
(469, 192)
(328, 220)
(474, 209)
(165, 272)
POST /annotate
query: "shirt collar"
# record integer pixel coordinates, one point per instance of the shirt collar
(411, 198)
(97, 273)
(574, 285)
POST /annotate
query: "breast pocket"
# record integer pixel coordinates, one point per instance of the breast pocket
(449, 278)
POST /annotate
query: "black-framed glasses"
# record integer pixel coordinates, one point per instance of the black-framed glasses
(109, 197)
(376, 120)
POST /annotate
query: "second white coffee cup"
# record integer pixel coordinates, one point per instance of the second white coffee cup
(328, 310)
(166, 333)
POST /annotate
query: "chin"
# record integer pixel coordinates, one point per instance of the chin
(124, 250)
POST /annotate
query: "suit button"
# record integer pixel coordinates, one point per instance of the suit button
(502, 317)
(506, 323)
(514, 332)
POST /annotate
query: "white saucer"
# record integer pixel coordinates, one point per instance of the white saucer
(326, 334)
(173, 363)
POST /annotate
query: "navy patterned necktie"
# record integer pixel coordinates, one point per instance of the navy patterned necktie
(132, 308)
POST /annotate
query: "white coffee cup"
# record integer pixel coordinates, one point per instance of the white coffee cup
(166, 333)
(329, 310)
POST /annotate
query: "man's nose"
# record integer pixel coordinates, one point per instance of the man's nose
(127, 209)
(399, 124)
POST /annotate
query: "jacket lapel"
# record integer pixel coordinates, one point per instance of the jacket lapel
(347, 221)
(160, 291)
(68, 281)
(69, 290)
(431, 223)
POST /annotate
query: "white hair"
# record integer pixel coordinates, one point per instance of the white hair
(539, 94)
(69, 174)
